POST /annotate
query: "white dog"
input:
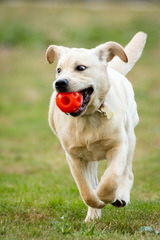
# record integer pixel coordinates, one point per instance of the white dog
(103, 127)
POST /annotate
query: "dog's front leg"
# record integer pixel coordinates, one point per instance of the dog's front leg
(79, 169)
(124, 188)
(111, 178)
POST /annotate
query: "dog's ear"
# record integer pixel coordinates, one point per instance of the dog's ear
(54, 52)
(108, 50)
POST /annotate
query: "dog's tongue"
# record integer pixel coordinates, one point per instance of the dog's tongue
(69, 102)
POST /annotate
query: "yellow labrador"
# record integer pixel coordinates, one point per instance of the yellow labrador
(103, 127)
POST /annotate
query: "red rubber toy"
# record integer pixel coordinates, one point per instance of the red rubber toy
(69, 102)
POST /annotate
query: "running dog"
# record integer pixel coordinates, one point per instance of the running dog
(103, 126)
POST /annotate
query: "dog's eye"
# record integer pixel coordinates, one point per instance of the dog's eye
(81, 68)
(59, 70)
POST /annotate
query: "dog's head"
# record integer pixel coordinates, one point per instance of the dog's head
(85, 71)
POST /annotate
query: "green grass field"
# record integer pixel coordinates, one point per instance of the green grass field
(38, 196)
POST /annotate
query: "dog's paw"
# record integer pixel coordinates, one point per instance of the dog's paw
(119, 203)
(92, 200)
(92, 214)
(122, 195)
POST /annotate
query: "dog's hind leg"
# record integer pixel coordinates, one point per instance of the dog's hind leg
(92, 213)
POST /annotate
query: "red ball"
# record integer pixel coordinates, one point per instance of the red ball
(69, 102)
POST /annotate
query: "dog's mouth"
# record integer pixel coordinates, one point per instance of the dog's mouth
(86, 96)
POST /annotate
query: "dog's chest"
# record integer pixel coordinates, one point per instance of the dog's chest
(88, 138)
(94, 151)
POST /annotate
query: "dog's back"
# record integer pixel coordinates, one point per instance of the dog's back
(133, 50)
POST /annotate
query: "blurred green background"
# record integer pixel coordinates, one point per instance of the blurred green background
(38, 197)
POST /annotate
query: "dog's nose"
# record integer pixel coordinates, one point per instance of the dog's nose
(61, 85)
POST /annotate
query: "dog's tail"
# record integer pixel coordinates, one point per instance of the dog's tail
(133, 50)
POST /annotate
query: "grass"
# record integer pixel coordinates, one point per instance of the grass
(38, 196)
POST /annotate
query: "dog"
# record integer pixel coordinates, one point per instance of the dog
(103, 126)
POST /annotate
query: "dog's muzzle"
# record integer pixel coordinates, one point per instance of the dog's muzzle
(61, 85)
